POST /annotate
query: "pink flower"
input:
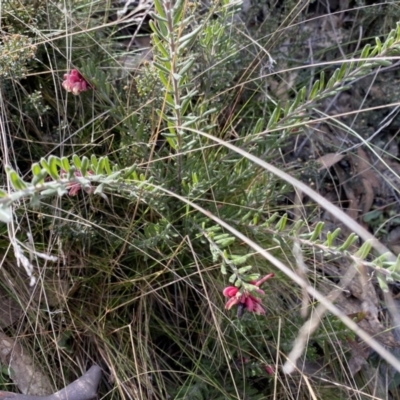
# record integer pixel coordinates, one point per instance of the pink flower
(75, 187)
(74, 82)
(246, 300)
(269, 370)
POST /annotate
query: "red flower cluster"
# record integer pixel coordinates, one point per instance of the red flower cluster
(74, 82)
(245, 299)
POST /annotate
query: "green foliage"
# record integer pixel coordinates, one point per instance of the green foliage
(16, 52)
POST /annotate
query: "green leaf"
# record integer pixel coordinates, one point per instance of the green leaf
(3, 194)
(77, 162)
(100, 167)
(271, 220)
(39, 178)
(287, 108)
(177, 11)
(36, 169)
(225, 242)
(396, 266)
(223, 269)
(238, 260)
(298, 225)
(365, 51)
(45, 165)
(107, 165)
(378, 44)
(274, 117)
(160, 47)
(342, 72)
(232, 278)
(252, 277)
(186, 66)
(364, 250)
(314, 90)
(159, 18)
(160, 28)
(16, 181)
(332, 82)
(65, 164)
(245, 269)
(322, 81)
(317, 231)
(388, 43)
(54, 163)
(189, 36)
(331, 237)
(159, 8)
(258, 127)
(84, 165)
(163, 78)
(94, 162)
(382, 282)
(397, 32)
(128, 173)
(221, 236)
(349, 241)
(281, 224)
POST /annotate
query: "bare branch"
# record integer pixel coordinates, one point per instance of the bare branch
(84, 388)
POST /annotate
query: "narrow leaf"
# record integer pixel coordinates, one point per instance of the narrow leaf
(94, 162)
(36, 169)
(54, 163)
(314, 90)
(349, 241)
(364, 250)
(243, 270)
(232, 278)
(16, 181)
(65, 164)
(159, 8)
(40, 177)
(191, 35)
(84, 165)
(280, 226)
(317, 231)
(77, 162)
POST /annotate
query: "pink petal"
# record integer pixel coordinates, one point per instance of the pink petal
(258, 309)
(231, 302)
(269, 370)
(254, 299)
(262, 280)
(250, 305)
(74, 189)
(230, 291)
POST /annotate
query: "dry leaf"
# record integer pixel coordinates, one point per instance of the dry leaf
(25, 373)
(328, 160)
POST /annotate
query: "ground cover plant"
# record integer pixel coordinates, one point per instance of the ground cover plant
(200, 198)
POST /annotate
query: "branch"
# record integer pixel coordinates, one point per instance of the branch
(84, 388)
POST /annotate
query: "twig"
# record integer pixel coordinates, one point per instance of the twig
(84, 388)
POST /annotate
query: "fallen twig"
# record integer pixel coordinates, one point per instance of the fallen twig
(84, 388)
